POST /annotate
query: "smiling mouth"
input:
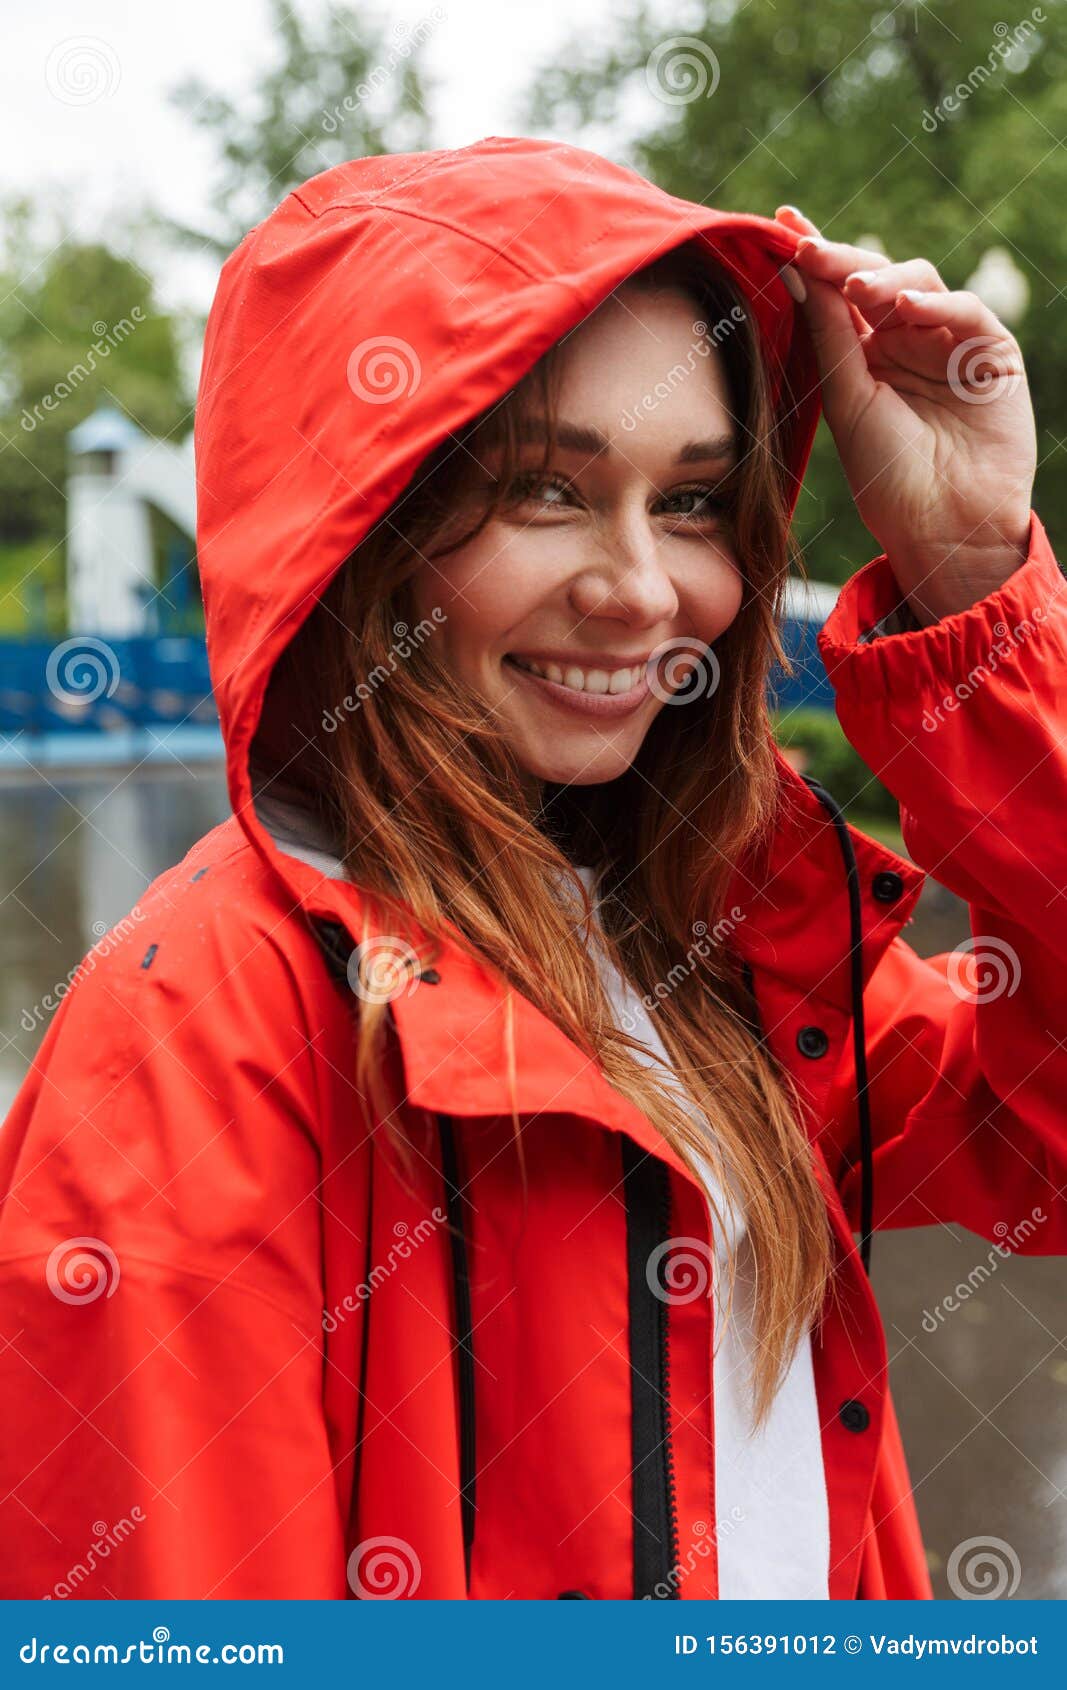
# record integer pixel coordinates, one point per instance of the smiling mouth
(582, 677)
(591, 692)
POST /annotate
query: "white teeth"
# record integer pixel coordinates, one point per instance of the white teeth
(585, 680)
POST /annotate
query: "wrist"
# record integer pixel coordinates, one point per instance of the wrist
(969, 574)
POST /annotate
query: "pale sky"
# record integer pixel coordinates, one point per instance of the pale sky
(120, 144)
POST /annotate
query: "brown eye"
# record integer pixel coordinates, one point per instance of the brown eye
(695, 504)
(549, 493)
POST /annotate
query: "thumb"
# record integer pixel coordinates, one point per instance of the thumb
(836, 327)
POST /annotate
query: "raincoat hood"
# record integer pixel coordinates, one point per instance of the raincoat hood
(382, 305)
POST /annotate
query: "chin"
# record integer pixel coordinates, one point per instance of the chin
(590, 769)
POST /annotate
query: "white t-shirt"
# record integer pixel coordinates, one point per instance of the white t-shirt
(772, 1512)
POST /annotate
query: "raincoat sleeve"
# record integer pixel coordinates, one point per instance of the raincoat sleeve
(161, 1292)
(966, 723)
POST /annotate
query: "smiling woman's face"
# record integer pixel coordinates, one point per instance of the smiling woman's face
(554, 611)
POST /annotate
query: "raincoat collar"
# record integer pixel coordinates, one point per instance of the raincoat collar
(789, 919)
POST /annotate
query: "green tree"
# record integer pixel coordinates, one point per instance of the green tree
(937, 128)
(339, 89)
(79, 324)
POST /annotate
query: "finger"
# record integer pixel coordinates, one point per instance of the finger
(838, 342)
(796, 219)
(913, 349)
(832, 261)
(875, 292)
(962, 312)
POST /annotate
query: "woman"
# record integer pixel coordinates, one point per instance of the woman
(388, 1218)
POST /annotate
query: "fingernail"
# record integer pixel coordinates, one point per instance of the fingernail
(794, 283)
(864, 276)
(913, 293)
(794, 209)
(812, 241)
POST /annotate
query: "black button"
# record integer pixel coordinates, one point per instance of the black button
(565, 1593)
(853, 1416)
(887, 886)
(812, 1041)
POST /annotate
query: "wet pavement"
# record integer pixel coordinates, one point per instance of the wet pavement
(981, 1391)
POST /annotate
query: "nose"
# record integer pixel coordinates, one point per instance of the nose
(626, 577)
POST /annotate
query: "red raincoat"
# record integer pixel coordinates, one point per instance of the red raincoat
(182, 1421)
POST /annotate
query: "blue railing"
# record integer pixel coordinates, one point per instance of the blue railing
(86, 684)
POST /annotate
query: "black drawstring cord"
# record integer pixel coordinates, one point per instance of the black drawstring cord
(464, 1334)
(859, 1036)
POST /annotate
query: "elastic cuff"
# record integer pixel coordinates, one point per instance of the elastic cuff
(1008, 620)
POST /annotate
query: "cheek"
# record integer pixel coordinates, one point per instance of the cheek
(733, 594)
(491, 587)
(711, 597)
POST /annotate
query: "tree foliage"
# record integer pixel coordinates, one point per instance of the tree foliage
(79, 325)
(338, 89)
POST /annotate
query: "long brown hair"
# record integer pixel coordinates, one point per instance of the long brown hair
(425, 802)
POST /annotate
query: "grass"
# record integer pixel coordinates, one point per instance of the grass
(32, 588)
(880, 828)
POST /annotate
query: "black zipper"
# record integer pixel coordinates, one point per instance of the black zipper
(647, 1195)
(455, 1203)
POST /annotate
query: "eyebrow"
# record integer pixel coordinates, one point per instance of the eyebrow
(573, 436)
